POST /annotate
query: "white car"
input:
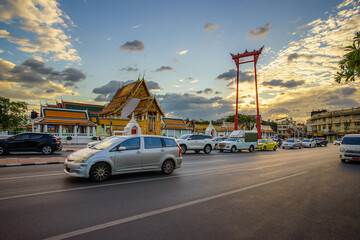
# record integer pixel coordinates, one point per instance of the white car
(350, 148)
(338, 141)
(292, 143)
(308, 143)
(239, 140)
(196, 142)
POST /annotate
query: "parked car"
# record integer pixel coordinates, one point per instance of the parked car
(350, 148)
(125, 154)
(320, 142)
(266, 144)
(196, 142)
(338, 141)
(30, 142)
(239, 140)
(217, 140)
(292, 143)
(310, 143)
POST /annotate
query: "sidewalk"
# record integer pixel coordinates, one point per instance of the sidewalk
(6, 161)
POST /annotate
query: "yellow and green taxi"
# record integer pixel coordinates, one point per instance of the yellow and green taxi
(266, 144)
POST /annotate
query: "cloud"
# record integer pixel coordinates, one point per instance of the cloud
(194, 106)
(136, 26)
(34, 72)
(130, 69)
(294, 56)
(210, 27)
(260, 31)
(313, 58)
(28, 82)
(182, 52)
(107, 91)
(283, 84)
(164, 68)
(206, 91)
(190, 79)
(348, 90)
(135, 45)
(232, 74)
(154, 86)
(46, 22)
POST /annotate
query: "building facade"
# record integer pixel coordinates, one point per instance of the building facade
(285, 127)
(335, 124)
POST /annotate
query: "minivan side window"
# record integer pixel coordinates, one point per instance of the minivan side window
(131, 144)
(170, 142)
(153, 142)
(197, 137)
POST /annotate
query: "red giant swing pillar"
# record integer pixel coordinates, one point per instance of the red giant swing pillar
(236, 58)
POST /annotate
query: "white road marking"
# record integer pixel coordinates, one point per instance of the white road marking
(199, 162)
(31, 176)
(168, 209)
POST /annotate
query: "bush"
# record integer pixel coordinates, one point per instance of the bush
(94, 138)
(69, 138)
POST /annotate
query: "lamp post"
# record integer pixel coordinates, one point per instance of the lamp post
(236, 58)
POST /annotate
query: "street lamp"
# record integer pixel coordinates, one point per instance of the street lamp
(236, 58)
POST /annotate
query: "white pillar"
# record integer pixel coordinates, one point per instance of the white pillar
(60, 131)
(87, 131)
(94, 131)
(75, 130)
(45, 129)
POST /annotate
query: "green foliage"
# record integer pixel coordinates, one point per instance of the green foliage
(350, 64)
(12, 114)
(94, 138)
(69, 138)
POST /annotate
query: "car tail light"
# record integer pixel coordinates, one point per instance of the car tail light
(213, 140)
(180, 151)
(56, 140)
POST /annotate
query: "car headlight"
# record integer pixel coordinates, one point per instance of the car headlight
(342, 149)
(83, 159)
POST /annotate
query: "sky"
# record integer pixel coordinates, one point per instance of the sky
(84, 50)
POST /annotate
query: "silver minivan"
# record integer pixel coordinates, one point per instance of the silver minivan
(125, 154)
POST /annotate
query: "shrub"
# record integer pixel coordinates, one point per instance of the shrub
(94, 138)
(69, 138)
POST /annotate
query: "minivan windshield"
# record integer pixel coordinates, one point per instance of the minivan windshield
(106, 144)
(351, 141)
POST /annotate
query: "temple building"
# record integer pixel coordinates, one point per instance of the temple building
(174, 127)
(135, 101)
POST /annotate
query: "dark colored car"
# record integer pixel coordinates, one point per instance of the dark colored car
(320, 142)
(30, 142)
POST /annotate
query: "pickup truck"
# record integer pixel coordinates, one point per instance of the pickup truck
(239, 140)
(320, 142)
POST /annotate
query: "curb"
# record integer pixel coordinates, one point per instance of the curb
(30, 164)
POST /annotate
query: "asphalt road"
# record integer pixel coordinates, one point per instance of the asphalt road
(287, 194)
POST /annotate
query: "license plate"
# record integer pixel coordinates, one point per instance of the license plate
(355, 158)
(221, 147)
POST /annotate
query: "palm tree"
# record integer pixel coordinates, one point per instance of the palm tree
(350, 64)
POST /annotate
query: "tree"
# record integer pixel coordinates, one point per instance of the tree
(12, 114)
(350, 64)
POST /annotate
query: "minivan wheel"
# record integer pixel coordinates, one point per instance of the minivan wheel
(47, 149)
(251, 149)
(100, 172)
(183, 148)
(2, 150)
(233, 149)
(168, 167)
(264, 148)
(343, 160)
(207, 149)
